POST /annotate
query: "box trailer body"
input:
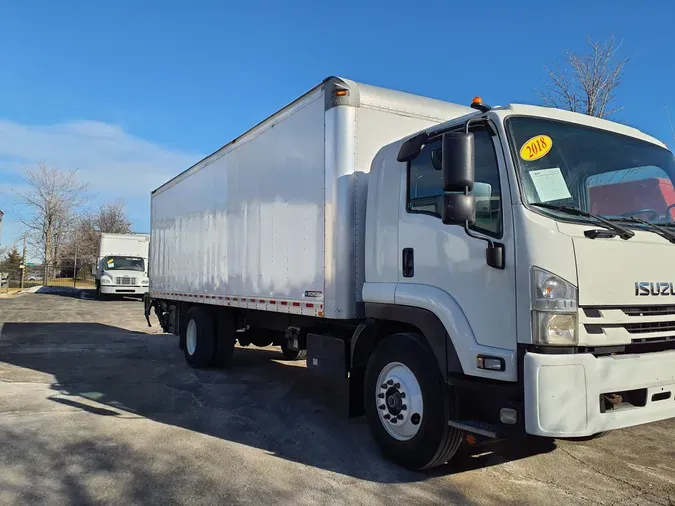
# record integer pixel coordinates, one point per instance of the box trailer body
(447, 261)
(275, 220)
(122, 264)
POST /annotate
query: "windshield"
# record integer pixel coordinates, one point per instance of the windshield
(601, 172)
(124, 264)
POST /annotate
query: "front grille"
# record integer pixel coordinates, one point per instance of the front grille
(643, 328)
(649, 310)
(645, 340)
(125, 281)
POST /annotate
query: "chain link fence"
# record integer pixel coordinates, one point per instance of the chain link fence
(50, 275)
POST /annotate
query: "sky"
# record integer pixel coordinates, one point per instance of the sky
(133, 92)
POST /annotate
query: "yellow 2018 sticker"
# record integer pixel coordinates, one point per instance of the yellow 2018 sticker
(535, 148)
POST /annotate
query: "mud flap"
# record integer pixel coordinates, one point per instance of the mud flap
(148, 302)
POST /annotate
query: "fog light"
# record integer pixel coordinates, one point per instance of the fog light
(490, 363)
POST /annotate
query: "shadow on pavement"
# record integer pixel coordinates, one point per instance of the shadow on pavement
(64, 291)
(262, 402)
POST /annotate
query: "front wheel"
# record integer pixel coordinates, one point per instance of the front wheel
(408, 405)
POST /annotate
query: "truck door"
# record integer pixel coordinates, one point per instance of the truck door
(446, 258)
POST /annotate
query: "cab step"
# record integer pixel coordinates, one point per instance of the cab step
(482, 428)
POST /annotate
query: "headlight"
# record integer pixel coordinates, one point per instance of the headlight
(555, 328)
(145, 282)
(554, 309)
(105, 280)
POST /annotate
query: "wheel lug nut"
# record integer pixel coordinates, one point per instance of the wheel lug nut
(404, 407)
(383, 407)
(397, 385)
(386, 417)
(390, 382)
(393, 420)
(383, 386)
(402, 395)
(400, 417)
(381, 396)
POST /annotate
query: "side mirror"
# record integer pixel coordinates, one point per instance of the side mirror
(93, 270)
(458, 161)
(458, 165)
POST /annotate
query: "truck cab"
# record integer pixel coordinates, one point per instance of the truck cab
(122, 267)
(122, 275)
(488, 222)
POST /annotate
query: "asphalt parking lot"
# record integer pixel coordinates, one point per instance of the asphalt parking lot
(95, 407)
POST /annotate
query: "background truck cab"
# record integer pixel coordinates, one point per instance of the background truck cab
(122, 266)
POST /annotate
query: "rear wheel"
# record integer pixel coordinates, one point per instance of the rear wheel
(408, 405)
(199, 338)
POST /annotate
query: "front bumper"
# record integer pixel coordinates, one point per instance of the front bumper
(564, 393)
(123, 290)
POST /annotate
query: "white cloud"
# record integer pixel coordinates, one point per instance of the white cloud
(118, 165)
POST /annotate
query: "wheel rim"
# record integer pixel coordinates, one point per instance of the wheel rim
(191, 337)
(398, 398)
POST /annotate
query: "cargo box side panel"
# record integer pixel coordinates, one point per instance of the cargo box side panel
(249, 223)
(375, 128)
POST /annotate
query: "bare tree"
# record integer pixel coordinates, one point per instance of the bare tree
(587, 82)
(51, 199)
(83, 239)
(112, 219)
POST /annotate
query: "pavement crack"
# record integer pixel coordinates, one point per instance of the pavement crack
(615, 478)
(514, 478)
(644, 494)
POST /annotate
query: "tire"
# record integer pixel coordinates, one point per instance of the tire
(199, 338)
(403, 360)
(226, 336)
(292, 354)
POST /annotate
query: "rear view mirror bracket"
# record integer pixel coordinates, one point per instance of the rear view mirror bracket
(494, 254)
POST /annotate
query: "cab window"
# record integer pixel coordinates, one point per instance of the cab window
(425, 184)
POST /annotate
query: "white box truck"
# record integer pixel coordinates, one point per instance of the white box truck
(470, 270)
(122, 266)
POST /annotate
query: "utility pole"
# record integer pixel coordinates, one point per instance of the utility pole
(23, 263)
(75, 264)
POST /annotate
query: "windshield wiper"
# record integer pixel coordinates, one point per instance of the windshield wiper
(663, 232)
(624, 233)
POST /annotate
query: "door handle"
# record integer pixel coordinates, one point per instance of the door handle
(408, 262)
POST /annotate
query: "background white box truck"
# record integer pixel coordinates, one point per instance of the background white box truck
(122, 265)
(457, 264)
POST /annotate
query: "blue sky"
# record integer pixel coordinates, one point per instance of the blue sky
(136, 91)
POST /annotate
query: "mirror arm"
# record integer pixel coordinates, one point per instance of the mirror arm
(471, 233)
(483, 121)
(498, 262)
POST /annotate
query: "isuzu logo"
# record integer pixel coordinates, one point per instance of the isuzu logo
(645, 288)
